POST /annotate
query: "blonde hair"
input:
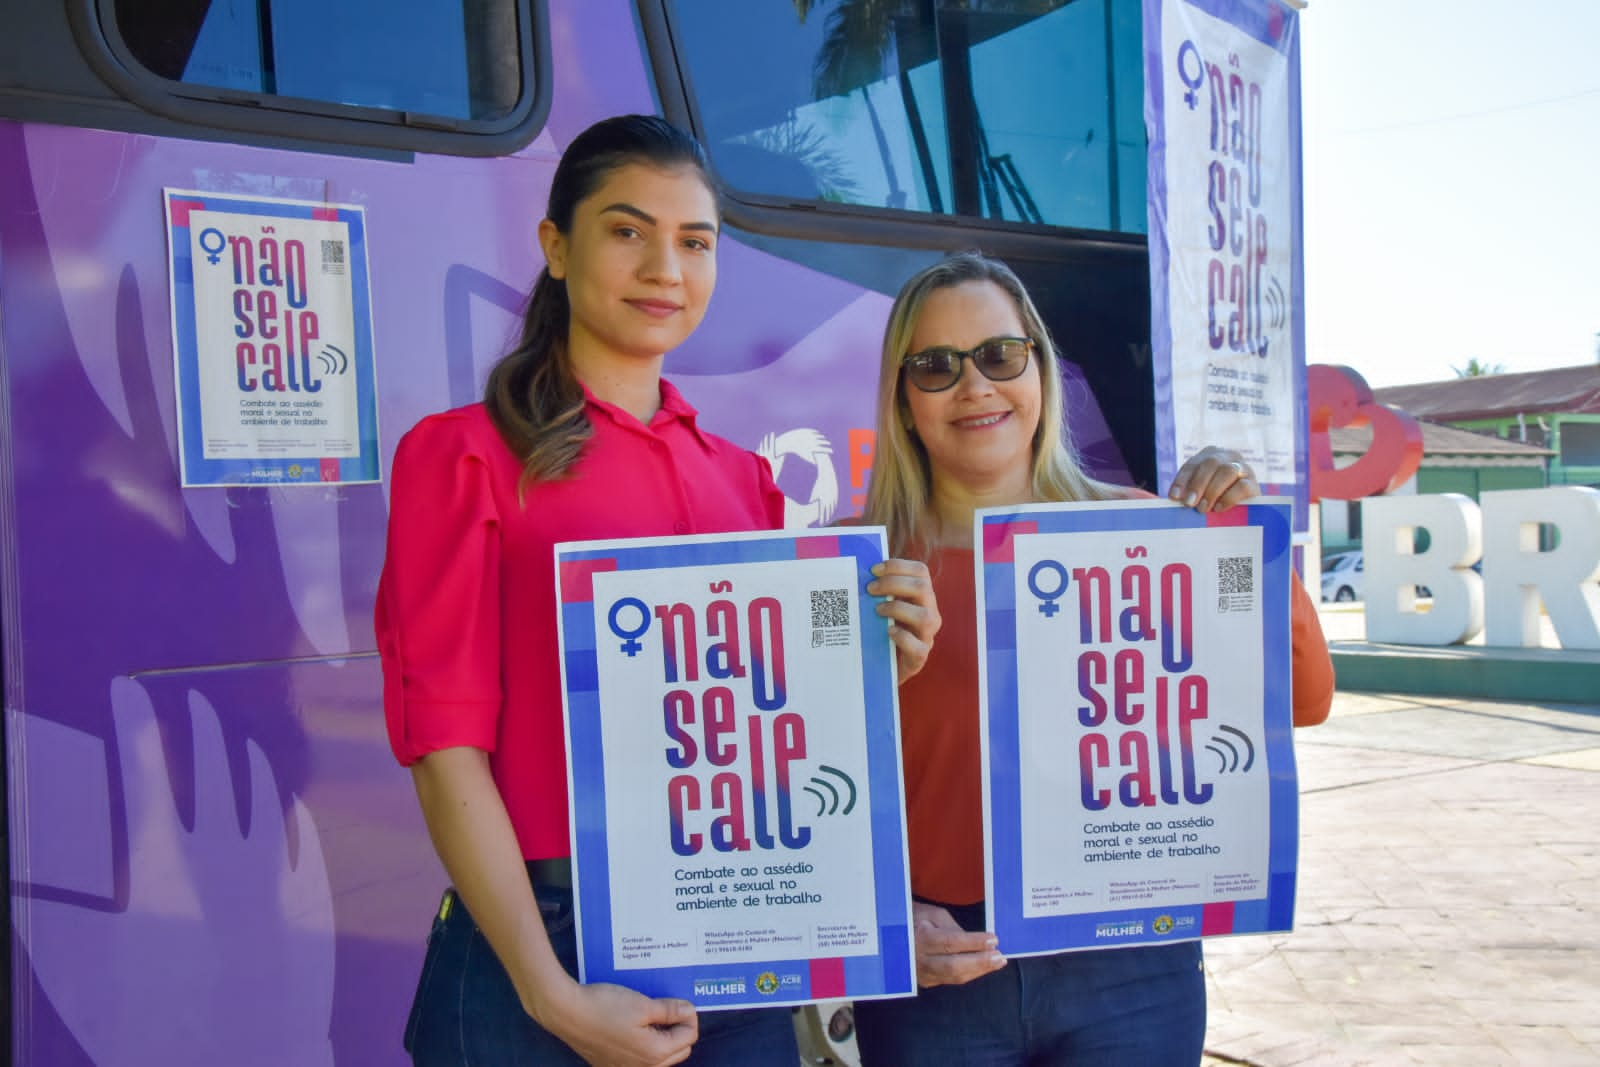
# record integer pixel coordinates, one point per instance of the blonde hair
(902, 477)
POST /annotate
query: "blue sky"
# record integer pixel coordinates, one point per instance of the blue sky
(1452, 184)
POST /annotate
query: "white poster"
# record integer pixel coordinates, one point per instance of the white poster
(1138, 772)
(738, 825)
(272, 333)
(1227, 329)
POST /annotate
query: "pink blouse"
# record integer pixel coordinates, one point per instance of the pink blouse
(466, 612)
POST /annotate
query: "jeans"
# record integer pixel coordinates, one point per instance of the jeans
(467, 1012)
(1125, 1007)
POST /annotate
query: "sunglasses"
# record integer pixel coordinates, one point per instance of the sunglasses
(999, 359)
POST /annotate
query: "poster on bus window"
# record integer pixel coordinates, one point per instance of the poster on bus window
(272, 340)
(733, 748)
(1227, 280)
(1139, 781)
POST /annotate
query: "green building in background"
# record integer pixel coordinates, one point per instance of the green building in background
(1558, 410)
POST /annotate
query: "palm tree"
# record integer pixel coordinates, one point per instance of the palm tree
(1476, 368)
(858, 39)
(851, 59)
(812, 150)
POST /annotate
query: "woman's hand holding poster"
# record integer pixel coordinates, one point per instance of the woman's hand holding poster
(1139, 773)
(734, 766)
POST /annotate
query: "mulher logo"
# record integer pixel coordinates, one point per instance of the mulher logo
(718, 987)
(1123, 929)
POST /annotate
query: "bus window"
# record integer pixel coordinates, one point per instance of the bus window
(463, 64)
(1025, 111)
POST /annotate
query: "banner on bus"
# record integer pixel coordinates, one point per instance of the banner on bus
(1222, 104)
(1139, 782)
(733, 748)
(272, 340)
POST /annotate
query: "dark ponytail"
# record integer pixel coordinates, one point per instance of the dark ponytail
(532, 395)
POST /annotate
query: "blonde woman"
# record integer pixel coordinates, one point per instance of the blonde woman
(970, 415)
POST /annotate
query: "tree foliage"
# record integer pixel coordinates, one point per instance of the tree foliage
(1476, 368)
(860, 33)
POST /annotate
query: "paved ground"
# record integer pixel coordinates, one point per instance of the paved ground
(1449, 899)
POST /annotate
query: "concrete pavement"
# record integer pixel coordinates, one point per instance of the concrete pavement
(1449, 894)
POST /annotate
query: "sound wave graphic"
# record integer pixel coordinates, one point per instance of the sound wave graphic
(333, 360)
(829, 805)
(1228, 752)
(1277, 304)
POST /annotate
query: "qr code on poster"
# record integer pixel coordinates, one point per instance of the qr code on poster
(830, 607)
(1235, 575)
(1236, 583)
(333, 257)
(830, 617)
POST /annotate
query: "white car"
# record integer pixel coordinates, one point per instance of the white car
(1341, 576)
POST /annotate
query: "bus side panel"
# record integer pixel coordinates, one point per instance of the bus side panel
(213, 849)
(214, 857)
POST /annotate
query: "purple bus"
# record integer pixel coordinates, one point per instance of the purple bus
(213, 857)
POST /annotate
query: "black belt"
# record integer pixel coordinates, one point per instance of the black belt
(553, 873)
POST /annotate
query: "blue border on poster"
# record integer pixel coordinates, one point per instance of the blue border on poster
(201, 472)
(1020, 935)
(1254, 19)
(888, 973)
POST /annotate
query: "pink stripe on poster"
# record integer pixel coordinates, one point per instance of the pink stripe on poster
(577, 578)
(827, 977)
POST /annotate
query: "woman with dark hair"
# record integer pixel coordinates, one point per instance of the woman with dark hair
(970, 415)
(578, 437)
